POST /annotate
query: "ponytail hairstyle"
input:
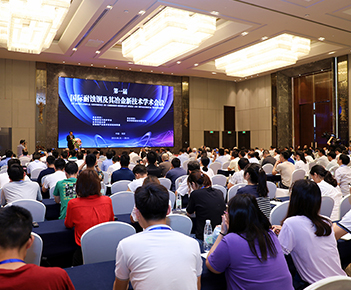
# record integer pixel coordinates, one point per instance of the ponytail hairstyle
(205, 161)
(325, 174)
(199, 179)
(302, 156)
(306, 199)
(257, 176)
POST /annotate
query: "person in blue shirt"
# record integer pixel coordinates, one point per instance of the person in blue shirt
(175, 172)
(8, 156)
(124, 173)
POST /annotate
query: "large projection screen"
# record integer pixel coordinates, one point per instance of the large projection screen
(115, 114)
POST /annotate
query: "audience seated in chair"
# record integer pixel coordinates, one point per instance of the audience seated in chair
(19, 188)
(15, 240)
(156, 271)
(175, 172)
(124, 173)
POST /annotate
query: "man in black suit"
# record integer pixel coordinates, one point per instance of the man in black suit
(69, 139)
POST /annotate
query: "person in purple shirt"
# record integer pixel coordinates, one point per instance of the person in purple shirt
(247, 250)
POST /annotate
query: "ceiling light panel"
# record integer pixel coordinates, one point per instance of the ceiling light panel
(277, 52)
(169, 34)
(30, 25)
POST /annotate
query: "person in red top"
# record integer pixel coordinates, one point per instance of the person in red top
(88, 209)
(15, 240)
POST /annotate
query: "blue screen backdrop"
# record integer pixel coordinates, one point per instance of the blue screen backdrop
(115, 114)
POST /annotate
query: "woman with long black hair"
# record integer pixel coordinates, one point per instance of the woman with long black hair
(257, 186)
(328, 186)
(247, 250)
(308, 236)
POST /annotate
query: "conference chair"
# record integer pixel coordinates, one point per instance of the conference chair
(34, 252)
(297, 174)
(279, 212)
(122, 202)
(215, 166)
(233, 190)
(327, 206)
(35, 173)
(100, 242)
(333, 169)
(36, 208)
(185, 164)
(222, 189)
(51, 191)
(180, 223)
(167, 183)
(106, 177)
(268, 168)
(225, 165)
(172, 198)
(179, 180)
(272, 188)
(311, 164)
(331, 283)
(345, 205)
(121, 185)
(219, 179)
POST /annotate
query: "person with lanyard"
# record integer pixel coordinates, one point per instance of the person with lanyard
(15, 240)
(148, 259)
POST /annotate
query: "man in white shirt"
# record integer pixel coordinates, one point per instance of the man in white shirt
(285, 169)
(322, 160)
(153, 259)
(221, 158)
(4, 177)
(253, 159)
(238, 177)
(343, 174)
(25, 159)
(51, 180)
(115, 165)
(18, 188)
(182, 156)
(35, 164)
(132, 154)
(332, 160)
(140, 173)
(233, 165)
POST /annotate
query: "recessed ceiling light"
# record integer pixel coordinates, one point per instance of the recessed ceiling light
(126, 11)
(74, 49)
(129, 68)
(321, 38)
(179, 62)
(78, 63)
(171, 73)
(214, 12)
(97, 52)
(141, 70)
(196, 64)
(264, 38)
(332, 52)
(299, 75)
(244, 33)
(130, 62)
(91, 64)
(214, 73)
(307, 15)
(152, 71)
(141, 12)
(109, 7)
(116, 66)
(104, 65)
(162, 72)
(63, 62)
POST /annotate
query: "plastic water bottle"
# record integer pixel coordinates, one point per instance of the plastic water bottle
(216, 232)
(179, 202)
(208, 239)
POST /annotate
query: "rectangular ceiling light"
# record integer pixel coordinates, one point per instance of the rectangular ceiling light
(30, 25)
(169, 34)
(280, 51)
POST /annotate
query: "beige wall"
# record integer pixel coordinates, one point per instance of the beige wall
(17, 100)
(252, 101)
